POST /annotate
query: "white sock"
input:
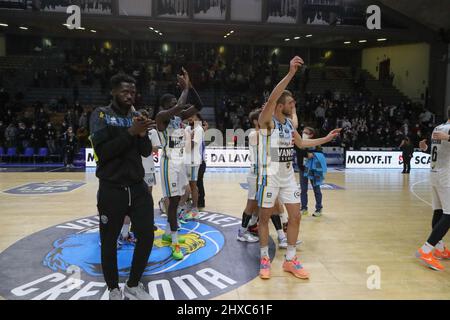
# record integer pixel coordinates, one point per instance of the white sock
(265, 251)
(253, 220)
(168, 231)
(125, 230)
(440, 246)
(242, 229)
(291, 252)
(175, 237)
(281, 234)
(284, 217)
(427, 248)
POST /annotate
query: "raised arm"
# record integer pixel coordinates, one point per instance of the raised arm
(265, 118)
(165, 115)
(308, 143)
(195, 102)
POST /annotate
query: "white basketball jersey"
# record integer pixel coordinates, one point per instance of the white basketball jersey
(149, 163)
(253, 148)
(440, 158)
(193, 148)
(276, 153)
(173, 141)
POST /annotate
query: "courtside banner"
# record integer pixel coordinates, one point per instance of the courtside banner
(384, 160)
(215, 158)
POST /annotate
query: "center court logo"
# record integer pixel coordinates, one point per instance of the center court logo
(40, 267)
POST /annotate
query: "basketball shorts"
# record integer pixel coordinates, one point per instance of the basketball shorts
(173, 178)
(252, 182)
(150, 179)
(267, 195)
(440, 198)
(192, 172)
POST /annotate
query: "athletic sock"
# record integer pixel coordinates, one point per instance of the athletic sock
(284, 217)
(440, 246)
(265, 251)
(125, 230)
(253, 220)
(427, 248)
(174, 237)
(168, 231)
(281, 234)
(291, 252)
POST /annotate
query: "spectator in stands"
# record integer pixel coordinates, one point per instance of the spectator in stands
(82, 122)
(82, 137)
(50, 138)
(23, 137)
(407, 153)
(425, 117)
(36, 137)
(11, 136)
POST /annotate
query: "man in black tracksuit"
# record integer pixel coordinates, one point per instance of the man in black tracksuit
(119, 138)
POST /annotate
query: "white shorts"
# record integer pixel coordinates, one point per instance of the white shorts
(150, 179)
(252, 182)
(267, 195)
(441, 198)
(173, 179)
(192, 172)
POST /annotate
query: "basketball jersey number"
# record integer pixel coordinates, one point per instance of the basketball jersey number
(434, 155)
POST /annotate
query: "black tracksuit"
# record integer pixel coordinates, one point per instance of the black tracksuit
(122, 190)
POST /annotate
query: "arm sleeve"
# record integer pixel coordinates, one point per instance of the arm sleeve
(194, 99)
(145, 146)
(106, 147)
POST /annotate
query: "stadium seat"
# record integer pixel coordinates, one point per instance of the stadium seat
(42, 154)
(11, 153)
(28, 154)
(2, 153)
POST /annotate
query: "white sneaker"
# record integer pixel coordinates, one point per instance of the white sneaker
(246, 237)
(136, 293)
(115, 294)
(282, 243)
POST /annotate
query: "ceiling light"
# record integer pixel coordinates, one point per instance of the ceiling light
(362, 41)
(151, 28)
(287, 39)
(3, 25)
(347, 42)
(23, 28)
(382, 39)
(232, 31)
(160, 34)
(308, 36)
(93, 31)
(224, 36)
(81, 28)
(296, 38)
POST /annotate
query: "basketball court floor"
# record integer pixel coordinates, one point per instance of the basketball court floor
(361, 248)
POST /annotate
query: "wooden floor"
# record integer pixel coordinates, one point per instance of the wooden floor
(378, 220)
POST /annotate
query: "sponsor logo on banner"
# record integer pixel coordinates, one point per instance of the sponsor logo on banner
(215, 158)
(385, 160)
(41, 188)
(63, 262)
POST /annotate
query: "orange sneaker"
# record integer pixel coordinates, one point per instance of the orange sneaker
(264, 269)
(441, 255)
(429, 260)
(295, 267)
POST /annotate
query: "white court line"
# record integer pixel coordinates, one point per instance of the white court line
(416, 195)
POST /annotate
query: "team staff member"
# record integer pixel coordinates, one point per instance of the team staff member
(407, 154)
(119, 138)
